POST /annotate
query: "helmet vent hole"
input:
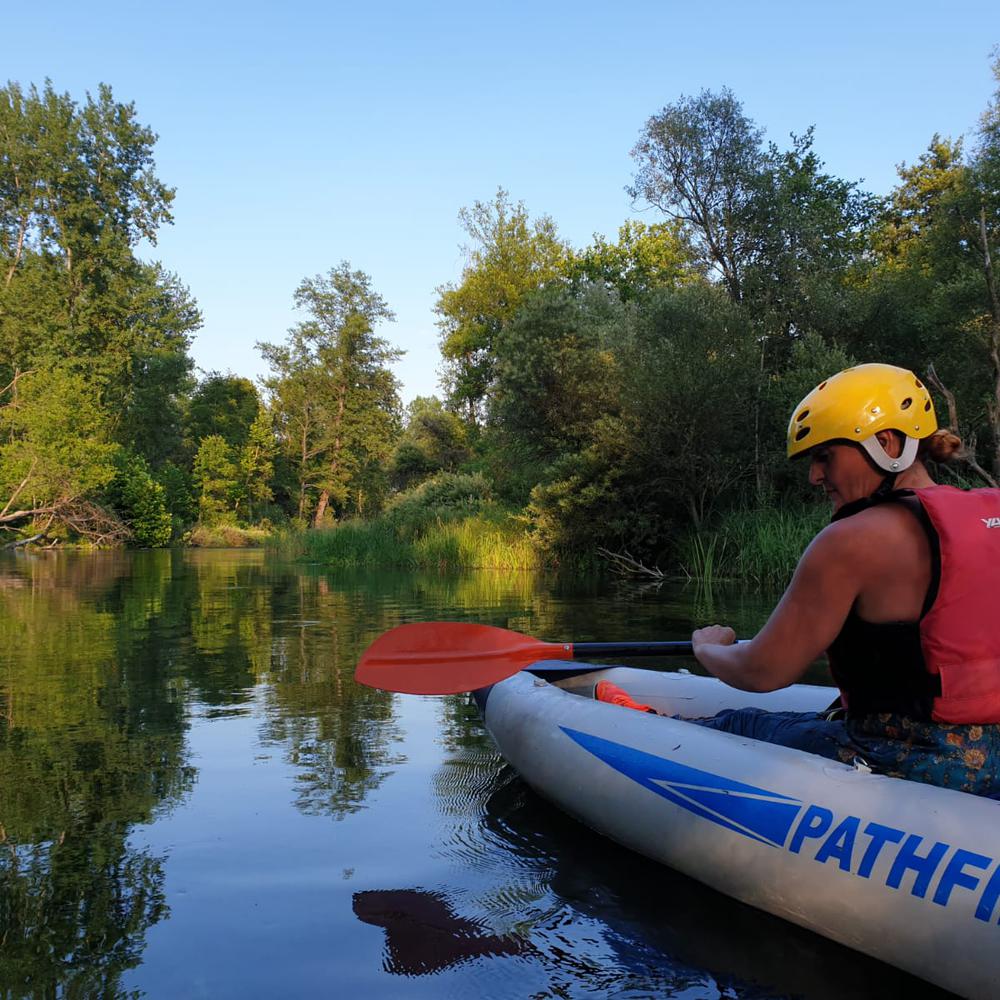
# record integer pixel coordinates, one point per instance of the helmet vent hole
(906, 404)
(927, 406)
(802, 416)
(802, 432)
(920, 384)
(822, 385)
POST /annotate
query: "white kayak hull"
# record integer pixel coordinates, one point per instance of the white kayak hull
(903, 871)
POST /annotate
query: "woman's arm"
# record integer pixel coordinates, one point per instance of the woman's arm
(808, 617)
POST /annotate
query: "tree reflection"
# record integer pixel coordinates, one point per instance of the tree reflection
(91, 742)
(338, 734)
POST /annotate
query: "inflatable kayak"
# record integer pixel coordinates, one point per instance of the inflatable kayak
(906, 872)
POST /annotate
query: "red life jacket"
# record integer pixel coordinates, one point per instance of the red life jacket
(960, 634)
(946, 667)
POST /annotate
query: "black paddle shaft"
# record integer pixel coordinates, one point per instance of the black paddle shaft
(632, 649)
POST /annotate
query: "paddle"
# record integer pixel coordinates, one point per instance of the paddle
(448, 657)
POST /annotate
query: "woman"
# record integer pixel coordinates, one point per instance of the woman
(902, 590)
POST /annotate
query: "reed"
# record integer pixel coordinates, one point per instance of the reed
(490, 539)
(761, 545)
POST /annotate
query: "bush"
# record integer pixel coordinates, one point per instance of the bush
(445, 496)
(140, 501)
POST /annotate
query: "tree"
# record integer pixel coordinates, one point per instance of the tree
(335, 399)
(772, 225)
(509, 256)
(255, 464)
(433, 440)
(226, 405)
(643, 258)
(699, 161)
(78, 192)
(216, 478)
(935, 291)
(140, 501)
(55, 453)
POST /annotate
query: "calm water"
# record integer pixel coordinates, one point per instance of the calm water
(196, 800)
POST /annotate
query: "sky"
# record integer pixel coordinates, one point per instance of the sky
(302, 134)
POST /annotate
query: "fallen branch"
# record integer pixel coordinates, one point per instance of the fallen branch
(26, 541)
(626, 565)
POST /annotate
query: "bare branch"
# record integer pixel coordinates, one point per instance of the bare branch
(968, 452)
(625, 565)
(14, 495)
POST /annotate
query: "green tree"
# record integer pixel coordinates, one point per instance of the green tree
(223, 404)
(433, 440)
(255, 464)
(699, 161)
(55, 453)
(509, 255)
(78, 192)
(557, 379)
(644, 257)
(335, 398)
(140, 501)
(216, 478)
(770, 224)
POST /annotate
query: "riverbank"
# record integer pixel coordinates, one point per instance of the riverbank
(760, 546)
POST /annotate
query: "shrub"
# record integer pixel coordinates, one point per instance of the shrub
(140, 501)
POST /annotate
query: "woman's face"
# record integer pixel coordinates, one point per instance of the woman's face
(844, 473)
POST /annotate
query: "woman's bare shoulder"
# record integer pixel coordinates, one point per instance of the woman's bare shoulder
(875, 528)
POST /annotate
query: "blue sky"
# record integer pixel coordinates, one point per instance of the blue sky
(302, 134)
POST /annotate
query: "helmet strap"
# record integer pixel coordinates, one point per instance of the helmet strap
(885, 461)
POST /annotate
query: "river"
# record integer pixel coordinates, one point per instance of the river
(196, 800)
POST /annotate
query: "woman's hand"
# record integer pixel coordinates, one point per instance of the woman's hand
(715, 635)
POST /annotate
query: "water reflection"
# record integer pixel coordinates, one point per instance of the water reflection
(183, 750)
(91, 742)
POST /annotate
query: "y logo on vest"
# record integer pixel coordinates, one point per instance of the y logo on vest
(991, 522)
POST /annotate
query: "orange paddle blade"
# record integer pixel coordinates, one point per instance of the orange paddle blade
(448, 657)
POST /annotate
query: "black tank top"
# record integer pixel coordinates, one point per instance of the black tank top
(880, 665)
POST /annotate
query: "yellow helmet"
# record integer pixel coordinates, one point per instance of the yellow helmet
(857, 403)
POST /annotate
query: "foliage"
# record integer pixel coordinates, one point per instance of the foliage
(433, 440)
(333, 394)
(645, 257)
(140, 501)
(78, 310)
(216, 480)
(255, 467)
(445, 494)
(178, 496)
(780, 234)
(226, 405)
(509, 256)
(56, 449)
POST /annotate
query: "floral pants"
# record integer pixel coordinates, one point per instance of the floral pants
(962, 757)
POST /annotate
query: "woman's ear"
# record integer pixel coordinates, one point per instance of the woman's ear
(891, 443)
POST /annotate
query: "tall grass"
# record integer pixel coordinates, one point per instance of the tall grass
(486, 540)
(761, 545)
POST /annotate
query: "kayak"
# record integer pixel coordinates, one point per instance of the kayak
(906, 872)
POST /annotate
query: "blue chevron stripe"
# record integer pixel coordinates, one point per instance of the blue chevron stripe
(757, 813)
